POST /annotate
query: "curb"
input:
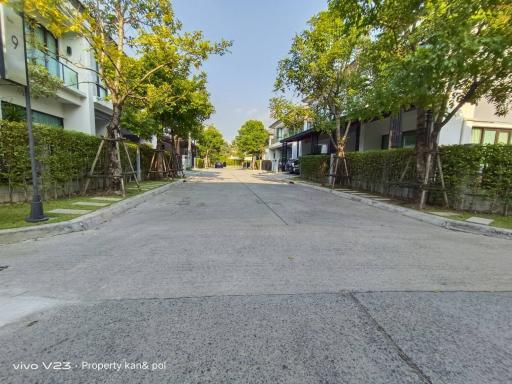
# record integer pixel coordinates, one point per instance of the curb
(454, 225)
(82, 223)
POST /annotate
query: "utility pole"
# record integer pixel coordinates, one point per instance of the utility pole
(36, 208)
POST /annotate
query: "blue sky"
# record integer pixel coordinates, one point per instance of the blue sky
(241, 82)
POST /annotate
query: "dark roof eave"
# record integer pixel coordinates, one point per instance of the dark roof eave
(297, 136)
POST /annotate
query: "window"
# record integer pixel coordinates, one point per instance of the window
(279, 133)
(45, 49)
(384, 142)
(480, 135)
(503, 137)
(17, 112)
(101, 90)
(408, 139)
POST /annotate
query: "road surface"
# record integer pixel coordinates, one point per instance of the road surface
(235, 277)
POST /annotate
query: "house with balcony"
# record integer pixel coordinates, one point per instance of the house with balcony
(80, 104)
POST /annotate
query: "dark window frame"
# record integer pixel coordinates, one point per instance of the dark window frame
(408, 134)
(34, 114)
(384, 141)
(55, 55)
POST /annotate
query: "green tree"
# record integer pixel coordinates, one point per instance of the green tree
(210, 144)
(290, 114)
(147, 29)
(323, 67)
(252, 138)
(436, 55)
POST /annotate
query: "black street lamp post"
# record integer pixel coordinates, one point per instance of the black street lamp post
(36, 208)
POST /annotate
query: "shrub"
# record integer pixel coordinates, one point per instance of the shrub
(62, 156)
(484, 170)
(314, 167)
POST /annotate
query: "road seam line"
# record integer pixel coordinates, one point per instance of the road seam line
(401, 353)
(260, 199)
(342, 292)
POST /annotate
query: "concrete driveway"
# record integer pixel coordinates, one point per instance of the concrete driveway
(235, 278)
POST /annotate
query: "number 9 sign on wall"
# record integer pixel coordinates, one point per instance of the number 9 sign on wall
(12, 55)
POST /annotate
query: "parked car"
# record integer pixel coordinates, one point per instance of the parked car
(292, 166)
(218, 164)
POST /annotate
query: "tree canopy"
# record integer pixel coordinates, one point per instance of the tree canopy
(363, 59)
(252, 138)
(210, 144)
(134, 42)
(292, 115)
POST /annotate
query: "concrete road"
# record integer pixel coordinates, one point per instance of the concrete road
(235, 278)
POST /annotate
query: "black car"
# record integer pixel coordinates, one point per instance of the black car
(218, 164)
(292, 166)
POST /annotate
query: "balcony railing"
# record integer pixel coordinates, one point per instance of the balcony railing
(100, 91)
(56, 68)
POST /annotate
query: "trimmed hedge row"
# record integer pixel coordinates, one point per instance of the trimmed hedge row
(483, 170)
(314, 167)
(63, 156)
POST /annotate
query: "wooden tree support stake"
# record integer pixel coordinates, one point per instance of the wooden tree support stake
(131, 165)
(90, 174)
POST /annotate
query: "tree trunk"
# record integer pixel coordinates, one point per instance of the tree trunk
(114, 169)
(426, 152)
(138, 166)
(338, 130)
(422, 149)
(189, 152)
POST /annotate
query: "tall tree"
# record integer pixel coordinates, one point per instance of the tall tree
(210, 144)
(252, 139)
(144, 29)
(437, 55)
(322, 67)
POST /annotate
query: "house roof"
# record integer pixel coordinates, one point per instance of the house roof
(298, 136)
(275, 124)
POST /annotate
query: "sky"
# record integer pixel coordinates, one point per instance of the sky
(241, 82)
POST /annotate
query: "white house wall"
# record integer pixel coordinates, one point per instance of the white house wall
(371, 134)
(75, 106)
(456, 131)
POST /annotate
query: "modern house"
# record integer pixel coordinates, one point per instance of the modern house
(473, 124)
(80, 104)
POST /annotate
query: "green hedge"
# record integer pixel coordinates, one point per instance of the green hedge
(468, 169)
(63, 156)
(314, 167)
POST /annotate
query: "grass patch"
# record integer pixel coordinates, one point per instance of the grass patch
(500, 221)
(13, 215)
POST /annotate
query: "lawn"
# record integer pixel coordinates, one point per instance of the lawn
(13, 215)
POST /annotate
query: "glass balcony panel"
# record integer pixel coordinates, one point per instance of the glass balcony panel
(69, 77)
(52, 65)
(56, 68)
